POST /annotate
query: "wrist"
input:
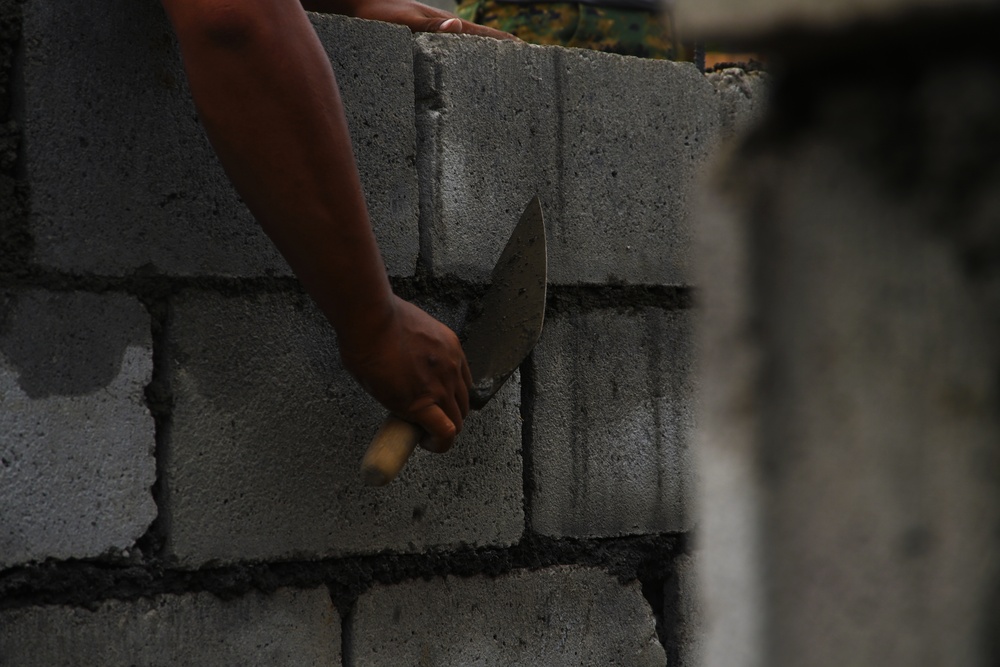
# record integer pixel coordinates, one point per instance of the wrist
(361, 330)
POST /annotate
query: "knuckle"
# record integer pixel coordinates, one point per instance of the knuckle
(442, 446)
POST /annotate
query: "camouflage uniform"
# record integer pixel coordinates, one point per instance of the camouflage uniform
(629, 32)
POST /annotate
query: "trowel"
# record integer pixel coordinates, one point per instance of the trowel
(495, 342)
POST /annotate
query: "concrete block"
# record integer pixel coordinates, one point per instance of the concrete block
(285, 628)
(690, 625)
(268, 432)
(612, 145)
(851, 396)
(555, 617)
(743, 18)
(488, 141)
(742, 99)
(611, 424)
(122, 176)
(373, 62)
(76, 439)
(635, 134)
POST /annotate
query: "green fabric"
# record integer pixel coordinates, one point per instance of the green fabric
(628, 32)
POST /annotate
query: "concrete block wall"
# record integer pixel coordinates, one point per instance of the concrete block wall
(563, 123)
(179, 442)
(285, 627)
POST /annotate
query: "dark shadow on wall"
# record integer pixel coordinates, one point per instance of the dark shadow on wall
(15, 242)
(82, 346)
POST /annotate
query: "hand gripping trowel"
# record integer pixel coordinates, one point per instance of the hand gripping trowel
(495, 342)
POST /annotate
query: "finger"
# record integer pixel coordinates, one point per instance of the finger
(427, 10)
(459, 26)
(451, 408)
(434, 24)
(467, 375)
(469, 28)
(440, 429)
(462, 393)
(462, 400)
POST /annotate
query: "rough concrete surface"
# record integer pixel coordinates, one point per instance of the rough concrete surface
(9, 141)
(742, 99)
(612, 145)
(871, 468)
(754, 17)
(488, 142)
(373, 62)
(287, 628)
(267, 435)
(612, 419)
(76, 440)
(122, 176)
(555, 617)
(10, 24)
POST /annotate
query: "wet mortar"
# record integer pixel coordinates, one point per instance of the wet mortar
(647, 559)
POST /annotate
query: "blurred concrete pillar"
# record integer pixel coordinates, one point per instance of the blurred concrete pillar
(850, 275)
(743, 18)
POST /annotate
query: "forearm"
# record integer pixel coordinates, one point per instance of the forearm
(269, 102)
(414, 15)
(345, 7)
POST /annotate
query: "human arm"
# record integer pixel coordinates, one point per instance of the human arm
(268, 100)
(416, 16)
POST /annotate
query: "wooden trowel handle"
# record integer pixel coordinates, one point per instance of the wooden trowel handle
(389, 450)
